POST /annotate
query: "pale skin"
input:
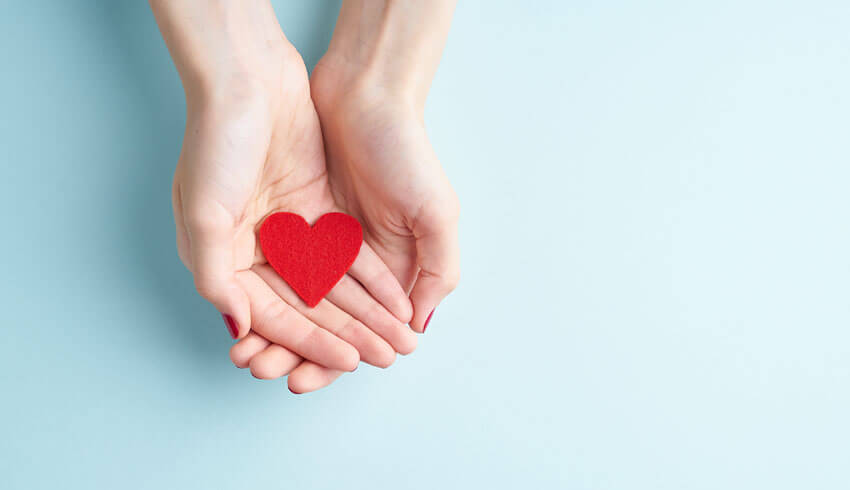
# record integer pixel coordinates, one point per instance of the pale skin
(261, 138)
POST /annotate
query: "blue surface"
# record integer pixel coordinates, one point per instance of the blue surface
(656, 287)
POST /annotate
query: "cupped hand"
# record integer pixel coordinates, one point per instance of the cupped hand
(249, 152)
(384, 171)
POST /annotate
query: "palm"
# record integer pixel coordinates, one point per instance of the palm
(293, 178)
(362, 161)
(241, 164)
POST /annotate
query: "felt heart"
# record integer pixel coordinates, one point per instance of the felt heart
(311, 260)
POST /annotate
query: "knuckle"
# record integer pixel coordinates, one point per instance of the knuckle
(383, 276)
(349, 328)
(374, 313)
(304, 340)
(275, 312)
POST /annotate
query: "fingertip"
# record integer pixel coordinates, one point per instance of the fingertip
(394, 299)
(428, 320)
(350, 359)
(426, 295)
(385, 359)
(262, 369)
(403, 309)
(238, 358)
(421, 320)
(408, 343)
(310, 377)
(231, 301)
(235, 328)
(244, 350)
(375, 351)
(420, 312)
(242, 312)
(300, 384)
(232, 326)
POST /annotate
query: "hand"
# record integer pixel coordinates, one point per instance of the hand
(253, 147)
(384, 171)
(369, 91)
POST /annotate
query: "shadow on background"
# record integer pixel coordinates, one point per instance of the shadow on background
(144, 227)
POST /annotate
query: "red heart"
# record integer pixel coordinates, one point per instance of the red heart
(311, 260)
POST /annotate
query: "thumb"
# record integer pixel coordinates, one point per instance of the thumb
(438, 258)
(212, 237)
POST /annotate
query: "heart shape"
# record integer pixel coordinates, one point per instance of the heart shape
(311, 259)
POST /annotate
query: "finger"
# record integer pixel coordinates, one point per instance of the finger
(350, 296)
(401, 260)
(372, 348)
(273, 362)
(211, 233)
(376, 277)
(438, 257)
(281, 324)
(243, 351)
(309, 377)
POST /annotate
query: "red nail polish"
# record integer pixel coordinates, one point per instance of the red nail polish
(428, 320)
(232, 326)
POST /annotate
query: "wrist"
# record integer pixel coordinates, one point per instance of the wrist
(224, 50)
(391, 46)
(341, 82)
(240, 79)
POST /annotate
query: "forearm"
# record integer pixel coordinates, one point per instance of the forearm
(394, 44)
(222, 47)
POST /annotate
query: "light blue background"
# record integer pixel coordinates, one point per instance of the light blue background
(656, 286)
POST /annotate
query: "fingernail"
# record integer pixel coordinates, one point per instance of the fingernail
(428, 320)
(232, 327)
(292, 391)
